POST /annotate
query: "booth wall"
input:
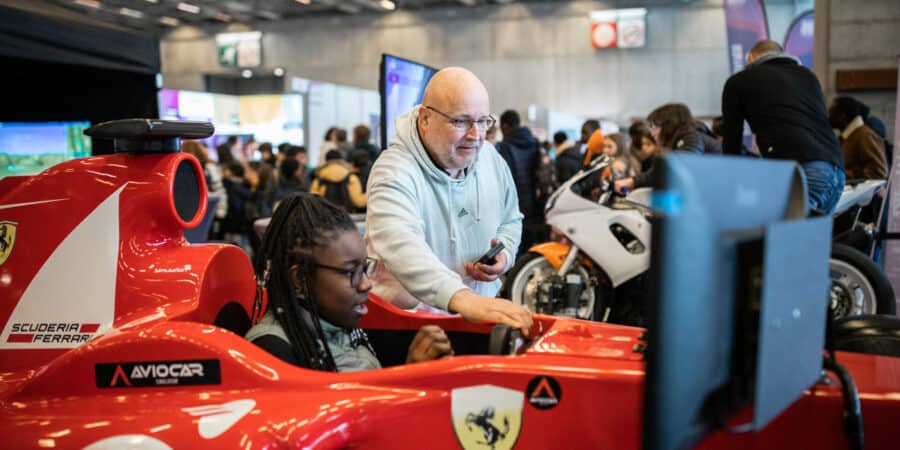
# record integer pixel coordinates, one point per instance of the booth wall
(525, 53)
(858, 35)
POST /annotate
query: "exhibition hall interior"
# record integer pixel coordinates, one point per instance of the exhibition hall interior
(477, 224)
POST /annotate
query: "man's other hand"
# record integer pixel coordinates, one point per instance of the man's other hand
(477, 308)
(430, 343)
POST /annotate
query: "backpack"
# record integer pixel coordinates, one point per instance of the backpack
(545, 180)
(336, 192)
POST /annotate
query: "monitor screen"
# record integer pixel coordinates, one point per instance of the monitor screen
(738, 296)
(402, 84)
(186, 105)
(27, 148)
(267, 118)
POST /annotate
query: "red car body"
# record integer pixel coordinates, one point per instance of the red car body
(109, 342)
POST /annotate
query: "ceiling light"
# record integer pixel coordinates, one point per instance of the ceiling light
(131, 13)
(88, 3)
(246, 73)
(223, 17)
(188, 8)
(387, 4)
(152, 1)
(278, 72)
(305, 2)
(169, 21)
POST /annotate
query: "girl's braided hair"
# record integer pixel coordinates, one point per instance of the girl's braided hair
(301, 223)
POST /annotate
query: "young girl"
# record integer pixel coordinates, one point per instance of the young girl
(642, 146)
(313, 263)
(615, 146)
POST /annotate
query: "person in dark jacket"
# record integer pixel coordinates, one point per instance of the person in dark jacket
(708, 143)
(290, 180)
(783, 103)
(521, 151)
(673, 129)
(570, 161)
(238, 222)
(361, 136)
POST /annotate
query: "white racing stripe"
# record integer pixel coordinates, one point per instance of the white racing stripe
(39, 202)
(72, 298)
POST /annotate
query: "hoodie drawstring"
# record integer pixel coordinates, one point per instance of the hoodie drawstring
(450, 210)
(477, 196)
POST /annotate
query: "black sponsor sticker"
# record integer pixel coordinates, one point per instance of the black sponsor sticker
(158, 373)
(543, 392)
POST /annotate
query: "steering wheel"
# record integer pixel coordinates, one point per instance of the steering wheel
(506, 340)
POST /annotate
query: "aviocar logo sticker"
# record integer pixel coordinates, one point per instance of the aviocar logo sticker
(7, 239)
(543, 392)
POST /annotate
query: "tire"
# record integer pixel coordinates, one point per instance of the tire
(873, 335)
(530, 269)
(858, 286)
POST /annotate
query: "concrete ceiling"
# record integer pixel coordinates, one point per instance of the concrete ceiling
(158, 16)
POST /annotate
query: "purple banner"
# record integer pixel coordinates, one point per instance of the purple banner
(745, 21)
(799, 38)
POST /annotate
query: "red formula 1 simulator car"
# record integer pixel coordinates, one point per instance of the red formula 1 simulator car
(117, 333)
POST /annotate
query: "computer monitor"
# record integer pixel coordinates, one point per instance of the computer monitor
(27, 148)
(739, 289)
(402, 84)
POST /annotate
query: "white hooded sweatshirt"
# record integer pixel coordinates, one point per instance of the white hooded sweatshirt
(425, 225)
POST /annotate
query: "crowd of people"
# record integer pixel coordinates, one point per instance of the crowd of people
(250, 179)
(446, 190)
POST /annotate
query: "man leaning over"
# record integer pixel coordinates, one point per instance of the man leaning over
(439, 197)
(783, 103)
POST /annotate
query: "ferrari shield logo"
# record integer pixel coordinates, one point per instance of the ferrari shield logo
(487, 417)
(7, 239)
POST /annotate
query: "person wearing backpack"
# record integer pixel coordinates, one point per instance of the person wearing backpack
(521, 151)
(336, 182)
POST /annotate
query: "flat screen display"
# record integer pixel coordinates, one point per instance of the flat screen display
(402, 85)
(27, 148)
(266, 118)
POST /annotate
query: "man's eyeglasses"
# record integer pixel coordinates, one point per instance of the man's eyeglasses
(464, 124)
(355, 274)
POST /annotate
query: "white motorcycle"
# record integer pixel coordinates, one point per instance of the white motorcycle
(596, 272)
(858, 285)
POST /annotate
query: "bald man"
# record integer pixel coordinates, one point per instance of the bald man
(783, 103)
(439, 198)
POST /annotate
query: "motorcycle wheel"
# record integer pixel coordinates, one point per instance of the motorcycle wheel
(858, 286)
(530, 270)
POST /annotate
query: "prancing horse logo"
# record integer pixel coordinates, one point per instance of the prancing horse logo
(7, 239)
(483, 420)
(487, 416)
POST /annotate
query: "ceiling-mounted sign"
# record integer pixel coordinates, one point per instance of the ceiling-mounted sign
(618, 28)
(240, 49)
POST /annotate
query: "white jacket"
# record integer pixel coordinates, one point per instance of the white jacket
(425, 225)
